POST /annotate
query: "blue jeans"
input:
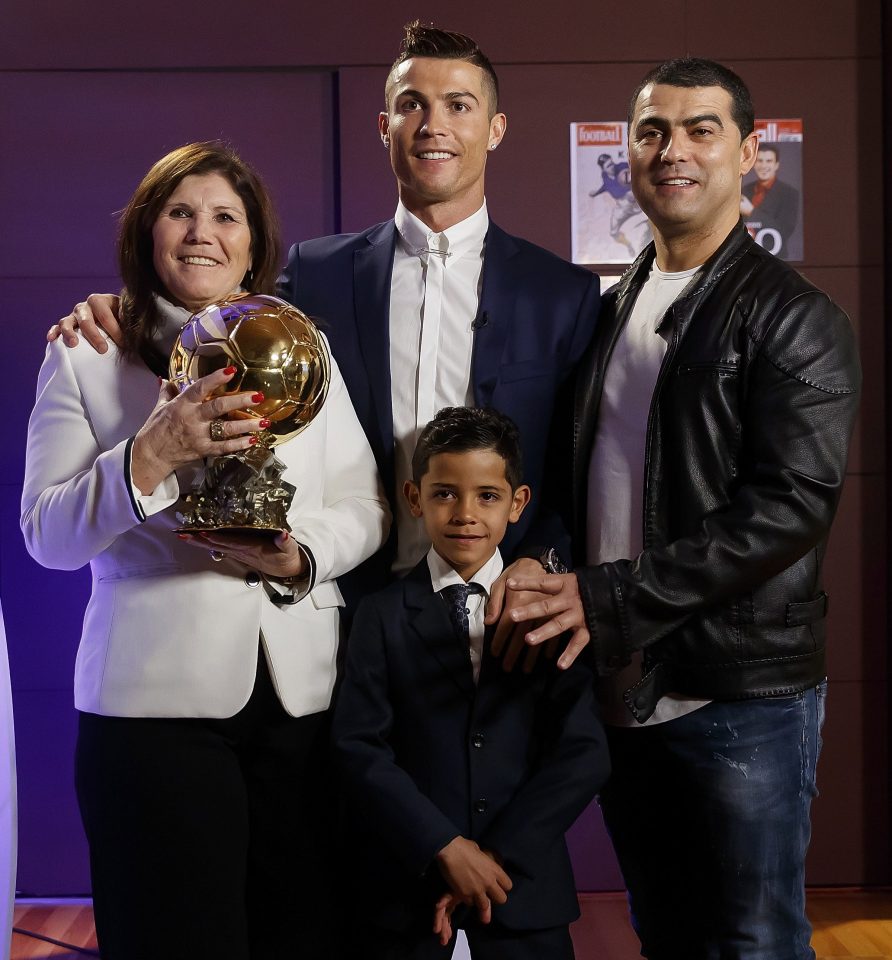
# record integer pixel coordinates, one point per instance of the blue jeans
(709, 815)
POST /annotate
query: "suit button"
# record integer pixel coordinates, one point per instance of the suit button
(252, 578)
(480, 805)
(478, 740)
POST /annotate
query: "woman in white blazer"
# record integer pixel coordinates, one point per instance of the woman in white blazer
(203, 686)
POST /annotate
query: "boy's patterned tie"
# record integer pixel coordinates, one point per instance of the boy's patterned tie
(456, 597)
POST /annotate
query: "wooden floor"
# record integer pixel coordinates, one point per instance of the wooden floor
(850, 924)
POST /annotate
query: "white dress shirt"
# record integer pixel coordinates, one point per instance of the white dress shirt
(616, 469)
(434, 298)
(442, 575)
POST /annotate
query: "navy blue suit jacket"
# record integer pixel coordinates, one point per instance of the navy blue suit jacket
(426, 756)
(537, 314)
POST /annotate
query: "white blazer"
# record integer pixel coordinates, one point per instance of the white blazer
(167, 631)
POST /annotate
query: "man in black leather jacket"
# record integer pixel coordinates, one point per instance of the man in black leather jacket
(704, 459)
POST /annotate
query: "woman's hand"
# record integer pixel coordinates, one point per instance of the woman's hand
(278, 556)
(178, 430)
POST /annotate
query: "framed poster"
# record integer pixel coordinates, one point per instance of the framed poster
(772, 191)
(609, 227)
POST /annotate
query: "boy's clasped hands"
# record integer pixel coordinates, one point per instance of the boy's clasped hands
(475, 877)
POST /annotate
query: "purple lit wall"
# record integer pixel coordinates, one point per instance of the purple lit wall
(88, 102)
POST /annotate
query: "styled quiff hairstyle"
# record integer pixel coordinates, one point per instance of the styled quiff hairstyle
(697, 72)
(139, 318)
(422, 40)
(460, 429)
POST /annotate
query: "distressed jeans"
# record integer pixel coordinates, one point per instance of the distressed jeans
(709, 815)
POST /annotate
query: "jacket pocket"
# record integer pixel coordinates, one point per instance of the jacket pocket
(327, 594)
(727, 369)
(140, 570)
(525, 370)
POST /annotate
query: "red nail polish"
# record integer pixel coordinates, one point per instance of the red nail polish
(264, 423)
(257, 398)
(229, 371)
(252, 439)
(184, 536)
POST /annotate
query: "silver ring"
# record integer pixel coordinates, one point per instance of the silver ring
(216, 430)
(217, 555)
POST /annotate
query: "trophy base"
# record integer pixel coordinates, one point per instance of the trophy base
(241, 493)
(258, 533)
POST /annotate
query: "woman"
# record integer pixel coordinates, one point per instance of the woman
(203, 686)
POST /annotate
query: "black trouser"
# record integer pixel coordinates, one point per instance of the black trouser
(209, 838)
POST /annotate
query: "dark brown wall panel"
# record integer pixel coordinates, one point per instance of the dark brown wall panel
(77, 144)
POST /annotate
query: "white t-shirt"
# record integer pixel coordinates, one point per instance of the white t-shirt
(615, 529)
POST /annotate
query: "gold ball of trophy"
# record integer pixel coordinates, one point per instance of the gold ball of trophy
(279, 352)
(276, 350)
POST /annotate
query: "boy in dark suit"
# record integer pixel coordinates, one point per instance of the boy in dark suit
(461, 779)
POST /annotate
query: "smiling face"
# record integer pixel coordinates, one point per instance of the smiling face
(466, 503)
(687, 160)
(766, 164)
(201, 241)
(439, 130)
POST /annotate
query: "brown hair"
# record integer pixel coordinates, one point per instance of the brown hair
(422, 40)
(139, 318)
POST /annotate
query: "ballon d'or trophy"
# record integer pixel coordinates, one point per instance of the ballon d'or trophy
(279, 352)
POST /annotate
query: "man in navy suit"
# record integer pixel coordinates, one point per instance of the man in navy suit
(438, 307)
(489, 319)
(461, 778)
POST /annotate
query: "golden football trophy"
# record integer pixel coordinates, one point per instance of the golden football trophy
(278, 351)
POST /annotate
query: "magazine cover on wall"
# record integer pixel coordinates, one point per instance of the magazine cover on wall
(772, 191)
(608, 225)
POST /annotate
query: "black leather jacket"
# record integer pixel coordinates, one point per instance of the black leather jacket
(746, 451)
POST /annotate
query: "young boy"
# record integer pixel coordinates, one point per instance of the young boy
(460, 778)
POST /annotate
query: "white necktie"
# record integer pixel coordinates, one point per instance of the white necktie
(434, 260)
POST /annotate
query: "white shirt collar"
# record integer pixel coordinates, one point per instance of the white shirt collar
(442, 575)
(466, 236)
(171, 319)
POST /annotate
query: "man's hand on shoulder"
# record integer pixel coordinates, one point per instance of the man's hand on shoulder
(100, 312)
(510, 638)
(556, 608)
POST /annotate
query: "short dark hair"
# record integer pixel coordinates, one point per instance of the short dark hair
(698, 72)
(772, 147)
(426, 40)
(135, 246)
(460, 429)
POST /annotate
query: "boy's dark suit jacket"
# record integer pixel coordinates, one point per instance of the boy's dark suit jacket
(537, 314)
(425, 756)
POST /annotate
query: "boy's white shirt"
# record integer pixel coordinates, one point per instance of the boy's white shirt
(443, 575)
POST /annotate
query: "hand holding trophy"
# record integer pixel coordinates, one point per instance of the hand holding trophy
(279, 352)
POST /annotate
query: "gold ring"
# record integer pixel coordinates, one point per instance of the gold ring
(217, 555)
(216, 428)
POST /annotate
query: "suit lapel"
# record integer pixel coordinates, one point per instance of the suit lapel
(493, 322)
(429, 620)
(372, 269)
